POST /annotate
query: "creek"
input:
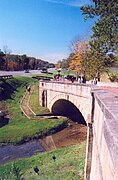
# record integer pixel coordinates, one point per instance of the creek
(74, 134)
(12, 152)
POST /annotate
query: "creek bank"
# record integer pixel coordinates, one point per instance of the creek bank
(73, 134)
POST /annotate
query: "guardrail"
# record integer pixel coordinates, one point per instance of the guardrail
(6, 77)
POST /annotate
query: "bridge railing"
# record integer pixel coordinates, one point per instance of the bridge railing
(71, 88)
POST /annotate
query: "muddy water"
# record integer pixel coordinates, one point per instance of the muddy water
(73, 134)
(10, 152)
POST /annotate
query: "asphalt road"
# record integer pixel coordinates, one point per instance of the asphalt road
(22, 73)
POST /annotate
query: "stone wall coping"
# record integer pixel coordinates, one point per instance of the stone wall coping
(108, 103)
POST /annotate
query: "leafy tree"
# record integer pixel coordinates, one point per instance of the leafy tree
(2, 60)
(58, 65)
(105, 30)
(65, 63)
(105, 34)
(7, 52)
(1, 53)
(78, 57)
(25, 62)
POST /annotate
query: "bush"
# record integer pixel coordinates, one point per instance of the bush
(113, 77)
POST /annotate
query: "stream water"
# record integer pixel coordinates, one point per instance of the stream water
(74, 134)
(10, 152)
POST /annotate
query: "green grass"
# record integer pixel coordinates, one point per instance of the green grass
(69, 165)
(34, 102)
(63, 73)
(20, 128)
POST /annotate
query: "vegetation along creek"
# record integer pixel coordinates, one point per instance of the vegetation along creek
(22, 136)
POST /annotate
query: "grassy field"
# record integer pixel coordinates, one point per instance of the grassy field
(69, 164)
(21, 129)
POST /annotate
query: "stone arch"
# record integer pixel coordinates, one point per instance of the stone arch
(63, 107)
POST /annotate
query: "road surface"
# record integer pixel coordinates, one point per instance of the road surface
(22, 73)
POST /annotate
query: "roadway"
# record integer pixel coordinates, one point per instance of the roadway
(111, 87)
(21, 73)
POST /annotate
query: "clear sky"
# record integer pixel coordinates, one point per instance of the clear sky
(42, 28)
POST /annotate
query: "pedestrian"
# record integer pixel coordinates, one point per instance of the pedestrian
(28, 89)
(36, 170)
(79, 79)
(83, 79)
(95, 81)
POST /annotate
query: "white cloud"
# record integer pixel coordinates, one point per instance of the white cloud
(75, 3)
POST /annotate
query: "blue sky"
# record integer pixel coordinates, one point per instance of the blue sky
(42, 28)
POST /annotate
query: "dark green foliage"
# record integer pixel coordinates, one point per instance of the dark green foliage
(11, 172)
(105, 30)
(105, 35)
(17, 172)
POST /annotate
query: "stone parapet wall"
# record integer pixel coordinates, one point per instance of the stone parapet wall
(105, 137)
(100, 111)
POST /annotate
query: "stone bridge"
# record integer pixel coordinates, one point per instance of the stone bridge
(96, 108)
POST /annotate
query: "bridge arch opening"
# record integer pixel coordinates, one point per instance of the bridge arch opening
(44, 98)
(66, 108)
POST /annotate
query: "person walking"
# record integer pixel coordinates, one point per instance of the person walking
(79, 79)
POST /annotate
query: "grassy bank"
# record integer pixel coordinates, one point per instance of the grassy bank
(20, 128)
(69, 164)
(34, 102)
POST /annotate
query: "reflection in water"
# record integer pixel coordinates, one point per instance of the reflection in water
(10, 152)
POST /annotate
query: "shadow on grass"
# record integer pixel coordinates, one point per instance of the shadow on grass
(3, 121)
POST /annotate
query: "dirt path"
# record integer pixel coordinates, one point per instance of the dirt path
(25, 107)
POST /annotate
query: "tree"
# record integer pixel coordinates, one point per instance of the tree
(58, 65)
(78, 57)
(105, 30)
(64, 63)
(105, 34)
(26, 61)
(7, 52)
(2, 60)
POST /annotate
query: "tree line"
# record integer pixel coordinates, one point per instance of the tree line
(96, 56)
(21, 62)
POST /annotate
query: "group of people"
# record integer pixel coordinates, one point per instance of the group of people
(58, 77)
(81, 79)
(94, 81)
